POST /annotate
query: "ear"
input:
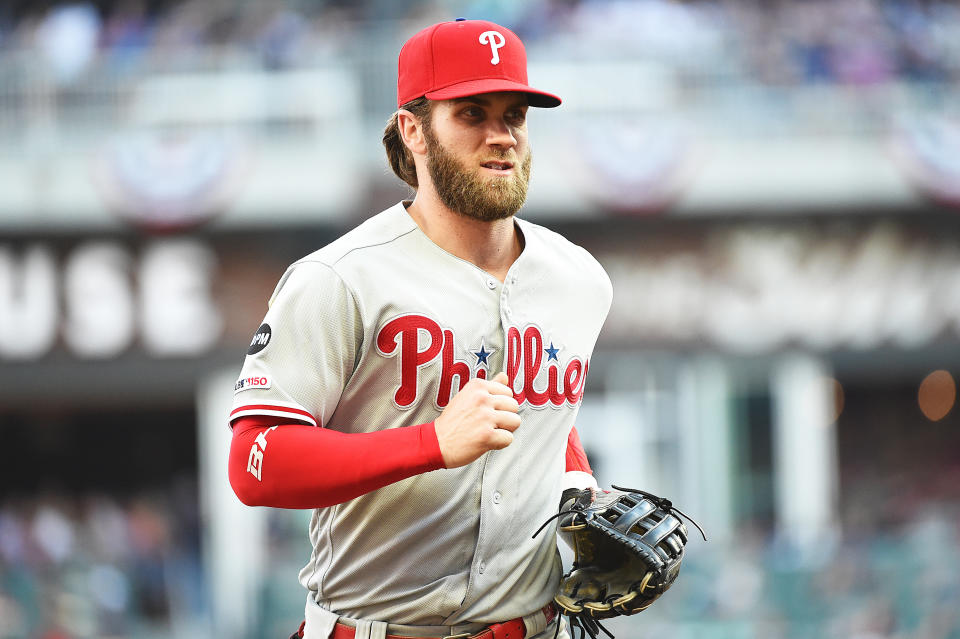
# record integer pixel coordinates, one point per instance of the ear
(411, 132)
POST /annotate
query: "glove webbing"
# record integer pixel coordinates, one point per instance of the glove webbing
(665, 504)
(661, 502)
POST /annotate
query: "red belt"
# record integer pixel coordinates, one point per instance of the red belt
(513, 629)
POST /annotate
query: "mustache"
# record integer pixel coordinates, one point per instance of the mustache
(505, 155)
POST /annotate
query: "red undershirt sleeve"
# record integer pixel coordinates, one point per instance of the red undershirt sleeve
(299, 466)
(576, 456)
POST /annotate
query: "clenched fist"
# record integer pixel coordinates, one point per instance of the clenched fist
(481, 417)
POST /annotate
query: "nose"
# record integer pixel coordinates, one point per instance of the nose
(500, 134)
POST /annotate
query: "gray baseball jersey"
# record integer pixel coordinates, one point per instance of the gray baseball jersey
(380, 329)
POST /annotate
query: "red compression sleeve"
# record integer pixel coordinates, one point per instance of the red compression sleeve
(576, 456)
(299, 466)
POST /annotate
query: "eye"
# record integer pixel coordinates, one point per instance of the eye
(517, 116)
(473, 112)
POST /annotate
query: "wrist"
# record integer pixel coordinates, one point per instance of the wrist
(430, 445)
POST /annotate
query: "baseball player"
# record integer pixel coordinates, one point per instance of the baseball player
(416, 381)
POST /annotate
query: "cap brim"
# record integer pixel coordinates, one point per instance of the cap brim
(492, 85)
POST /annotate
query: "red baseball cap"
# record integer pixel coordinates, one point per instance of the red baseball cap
(465, 57)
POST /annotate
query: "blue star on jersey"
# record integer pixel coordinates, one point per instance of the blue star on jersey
(482, 355)
(552, 352)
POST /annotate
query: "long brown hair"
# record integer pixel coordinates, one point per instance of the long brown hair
(399, 156)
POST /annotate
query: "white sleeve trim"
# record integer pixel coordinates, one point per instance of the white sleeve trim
(289, 410)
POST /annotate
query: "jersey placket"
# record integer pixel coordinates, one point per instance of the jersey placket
(495, 509)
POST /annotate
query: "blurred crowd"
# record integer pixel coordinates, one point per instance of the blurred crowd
(99, 566)
(786, 41)
(851, 41)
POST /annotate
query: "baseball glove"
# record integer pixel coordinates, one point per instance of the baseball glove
(628, 545)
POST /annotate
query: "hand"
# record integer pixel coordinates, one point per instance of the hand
(481, 417)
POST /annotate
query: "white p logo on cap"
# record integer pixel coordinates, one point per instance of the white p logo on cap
(496, 40)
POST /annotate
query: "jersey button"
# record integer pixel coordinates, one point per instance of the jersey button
(481, 567)
(497, 497)
(491, 283)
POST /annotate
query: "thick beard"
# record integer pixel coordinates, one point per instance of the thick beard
(465, 192)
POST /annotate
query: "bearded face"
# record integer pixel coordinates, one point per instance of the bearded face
(466, 191)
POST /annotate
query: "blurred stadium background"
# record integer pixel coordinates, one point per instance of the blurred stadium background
(772, 186)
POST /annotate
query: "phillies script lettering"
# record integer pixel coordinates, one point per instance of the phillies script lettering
(525, 361)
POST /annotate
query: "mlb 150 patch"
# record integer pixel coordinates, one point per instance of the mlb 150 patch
(246, 383)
